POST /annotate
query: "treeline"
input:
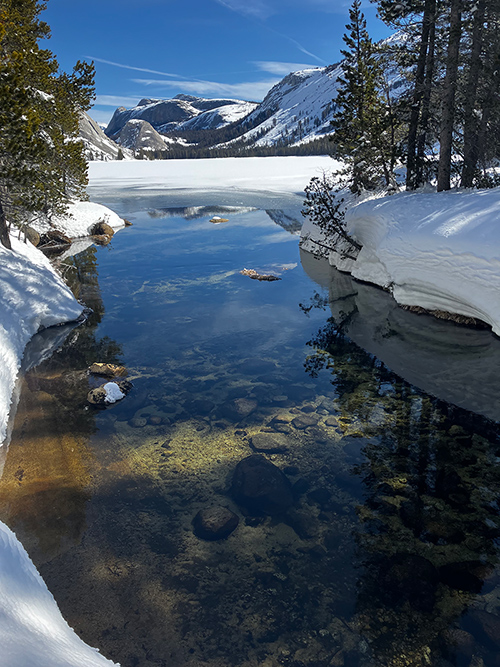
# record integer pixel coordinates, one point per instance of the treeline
(42, 161)
(445, 126)
(320, 146)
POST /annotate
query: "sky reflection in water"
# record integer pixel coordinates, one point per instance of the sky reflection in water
(388, 555)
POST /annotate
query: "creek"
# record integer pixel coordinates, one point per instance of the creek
(389, 552)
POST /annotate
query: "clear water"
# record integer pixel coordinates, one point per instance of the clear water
(388, 555)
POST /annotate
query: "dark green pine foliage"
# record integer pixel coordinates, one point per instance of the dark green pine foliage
(41, 159)
(364, 121)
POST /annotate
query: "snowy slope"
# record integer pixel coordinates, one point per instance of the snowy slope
(32, 297)
(298, 108)
(216, 118)
(439, 251)
(139, 135)
(97, 145)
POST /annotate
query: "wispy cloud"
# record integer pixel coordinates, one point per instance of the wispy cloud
(255, 8)
(251, 90)
(116, 101)
(298, 45)
(136, 69)
(279, 68)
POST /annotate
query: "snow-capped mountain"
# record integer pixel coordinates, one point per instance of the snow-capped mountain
(296, 110)
(183, 112)
(295, 115)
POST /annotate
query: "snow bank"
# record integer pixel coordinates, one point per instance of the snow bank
(32, 631)
(81, 217)
(33, 297)
(275, 174)
(439, 251)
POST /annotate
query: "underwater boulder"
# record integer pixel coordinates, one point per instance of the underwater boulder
(260, 486)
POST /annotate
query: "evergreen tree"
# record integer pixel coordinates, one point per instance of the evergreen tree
(416, 21)
(364, 123)
(41, 160)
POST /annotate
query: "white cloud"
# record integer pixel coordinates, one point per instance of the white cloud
(251, 90)
(136, 69)
(116, 101)
(279, 68)
(255, 8)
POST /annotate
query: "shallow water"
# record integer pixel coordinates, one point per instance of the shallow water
(388, 554)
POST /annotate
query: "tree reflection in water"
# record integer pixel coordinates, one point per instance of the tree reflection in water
(429, 589)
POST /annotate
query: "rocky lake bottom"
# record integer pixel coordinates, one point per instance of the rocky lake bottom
(269, 493)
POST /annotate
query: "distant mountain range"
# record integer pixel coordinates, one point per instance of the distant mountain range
(294, 117)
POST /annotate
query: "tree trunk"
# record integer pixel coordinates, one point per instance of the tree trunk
(4, 232)
(426, 99)
(448, 104)
(471, 129)
(417, 97)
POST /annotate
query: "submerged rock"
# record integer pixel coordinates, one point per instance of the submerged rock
(108, 370)
(260, 486)
(303, 421)
(215, 523)
(238, 409)
(272, 443)
(486, 626)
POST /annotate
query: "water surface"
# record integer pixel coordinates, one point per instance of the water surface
(388, 555)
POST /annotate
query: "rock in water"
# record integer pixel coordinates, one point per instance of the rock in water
(238, 409)
(215, 523)
(109, 393)
(302, 421)
(108, 370)
(102, 228)
(270, 443)
(254, 275)
(260, 486)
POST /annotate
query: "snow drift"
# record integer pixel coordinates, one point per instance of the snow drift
(439, 251)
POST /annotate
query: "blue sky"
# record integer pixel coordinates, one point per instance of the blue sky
(210, 48)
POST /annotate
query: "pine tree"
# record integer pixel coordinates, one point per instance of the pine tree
(416, 20)
(364, 122)
(41, 161)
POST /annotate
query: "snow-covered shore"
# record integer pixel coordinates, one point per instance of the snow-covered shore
(438, 251)
(33, 632)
